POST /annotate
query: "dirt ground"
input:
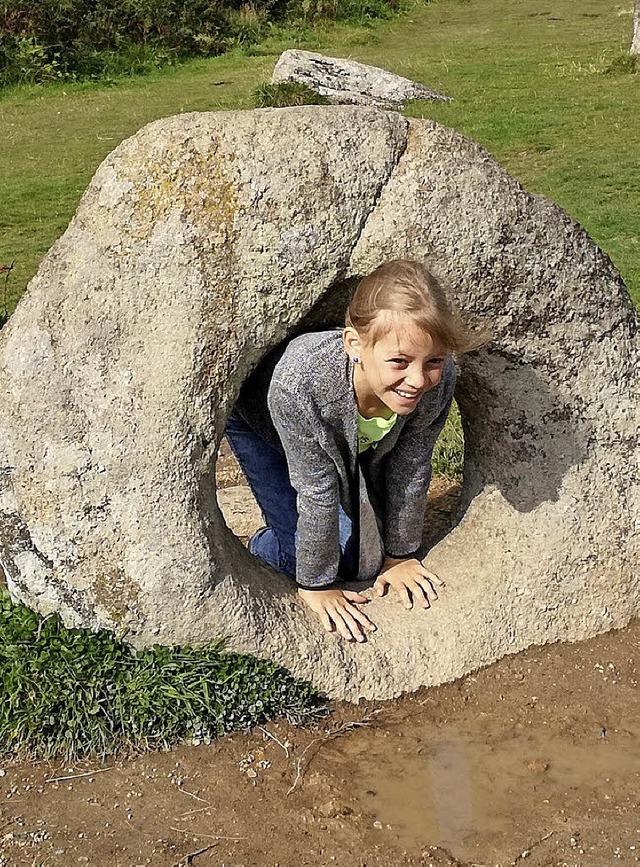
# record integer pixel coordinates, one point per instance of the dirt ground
(535, 759)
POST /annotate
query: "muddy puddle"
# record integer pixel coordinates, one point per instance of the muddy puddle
(459, 792)
(535, 758)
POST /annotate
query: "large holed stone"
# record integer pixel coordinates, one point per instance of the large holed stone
(202, 242)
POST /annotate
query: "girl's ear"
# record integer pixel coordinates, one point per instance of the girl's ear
(352, 342)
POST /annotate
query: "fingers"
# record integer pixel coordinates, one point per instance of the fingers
(380, 586)
(406, 592)
(414, 584)
(337, 611)
(431, 575)
(347, 625)
(326, 620)
(426, 590)
(350, 622)
(415, 591)
(427, 582)
(423, 590)
(354, 596)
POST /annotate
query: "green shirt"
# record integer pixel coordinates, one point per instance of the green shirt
(371, 430)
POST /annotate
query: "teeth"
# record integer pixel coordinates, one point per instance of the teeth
(404, 393)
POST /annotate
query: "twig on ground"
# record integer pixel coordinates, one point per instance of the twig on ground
(77, 776)
(41, 624)
(190, 813)
(187, 860)
(293, 785)
(329, 736)
(526, 852)
(208, 836)
(202, 800)
(274, 738)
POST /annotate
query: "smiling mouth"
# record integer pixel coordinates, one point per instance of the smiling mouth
(406, 394)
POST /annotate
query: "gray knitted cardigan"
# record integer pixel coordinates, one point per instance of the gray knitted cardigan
(311, 415)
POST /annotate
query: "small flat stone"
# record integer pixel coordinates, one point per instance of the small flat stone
(349, 82)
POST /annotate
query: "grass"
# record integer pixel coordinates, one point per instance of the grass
(546, 93)
(448, 454)
(74, 693)
(287, 93)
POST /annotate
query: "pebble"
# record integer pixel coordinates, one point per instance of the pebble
(538, 766)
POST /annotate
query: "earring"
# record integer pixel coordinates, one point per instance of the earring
(355, 359)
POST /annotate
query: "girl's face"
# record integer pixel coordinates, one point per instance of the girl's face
(395, 369)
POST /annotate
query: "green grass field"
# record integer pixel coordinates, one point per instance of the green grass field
(529, 84)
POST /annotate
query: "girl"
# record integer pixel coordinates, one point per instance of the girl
(335, 437)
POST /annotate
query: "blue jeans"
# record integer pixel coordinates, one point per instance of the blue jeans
(268, 475)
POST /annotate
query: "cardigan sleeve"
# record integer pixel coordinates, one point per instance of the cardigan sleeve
(408, 471)
(314, 477)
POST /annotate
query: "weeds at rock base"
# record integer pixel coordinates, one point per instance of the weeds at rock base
(74, 693)
(286, 94)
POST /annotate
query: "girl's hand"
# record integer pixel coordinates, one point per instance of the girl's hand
(336, 611)
(412, 582)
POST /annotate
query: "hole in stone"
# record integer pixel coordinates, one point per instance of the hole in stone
(239, 508)
(237, 504)
(445, 491)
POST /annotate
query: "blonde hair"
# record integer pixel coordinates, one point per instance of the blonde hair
(404, 286)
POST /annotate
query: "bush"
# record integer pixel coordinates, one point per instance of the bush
(366, 10)
(23, 58)
(45, 40)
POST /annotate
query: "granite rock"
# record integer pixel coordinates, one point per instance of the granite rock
(202, 242)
